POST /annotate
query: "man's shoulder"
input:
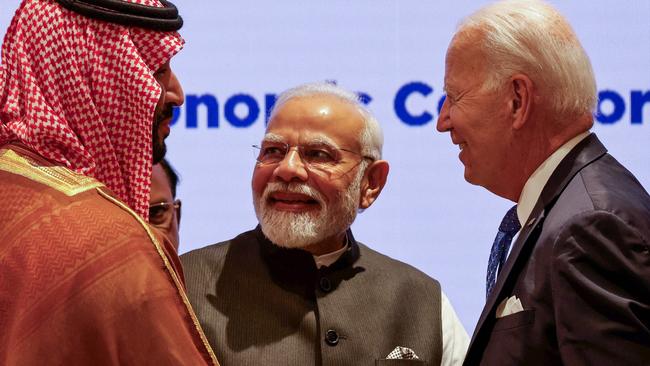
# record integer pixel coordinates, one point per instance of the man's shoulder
(205, 254)
(46, 204)
(210, 254)
(28, 169)
(203, 267)
(603, 204)
(610, 184)
(36, 193)
(606, 187)
(56, 231)
(38, 188)
(393, 269)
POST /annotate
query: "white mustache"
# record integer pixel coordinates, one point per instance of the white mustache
(300, 188)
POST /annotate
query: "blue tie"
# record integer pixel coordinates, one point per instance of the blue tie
(507, 230)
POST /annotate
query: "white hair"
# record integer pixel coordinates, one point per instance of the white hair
(371, 138)
(533, 38)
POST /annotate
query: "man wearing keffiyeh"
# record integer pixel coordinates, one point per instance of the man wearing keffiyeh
(85, 105)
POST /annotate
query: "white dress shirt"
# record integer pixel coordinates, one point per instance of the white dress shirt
(536, 182)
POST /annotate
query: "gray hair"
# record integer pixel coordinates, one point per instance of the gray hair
(531, 37)
(371, 139)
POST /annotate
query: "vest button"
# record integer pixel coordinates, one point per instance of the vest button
(325, 284)
(331, 337)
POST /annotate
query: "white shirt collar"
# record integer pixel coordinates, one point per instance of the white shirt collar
(536, 182)
(329, 258)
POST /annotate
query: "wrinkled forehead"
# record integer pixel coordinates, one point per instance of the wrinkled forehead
(467, 43)
(316, 119)
(465, 54)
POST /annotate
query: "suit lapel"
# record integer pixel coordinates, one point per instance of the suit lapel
(580, 156)
(537, 217)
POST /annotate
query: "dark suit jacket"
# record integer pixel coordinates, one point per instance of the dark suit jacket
(260, 304)
(581, 268)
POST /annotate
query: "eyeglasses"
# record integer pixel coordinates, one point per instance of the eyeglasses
(161, 213)
(317, 156)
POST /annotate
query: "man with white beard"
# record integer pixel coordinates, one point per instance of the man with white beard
(299, 289)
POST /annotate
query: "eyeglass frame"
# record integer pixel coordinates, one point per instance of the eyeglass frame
(299, 149)
(174, 206)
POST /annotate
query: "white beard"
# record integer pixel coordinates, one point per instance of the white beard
(298, 230)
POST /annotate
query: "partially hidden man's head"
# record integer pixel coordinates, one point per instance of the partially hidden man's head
(100, 88)
(164, 208)
(516, 78)
(317, 165)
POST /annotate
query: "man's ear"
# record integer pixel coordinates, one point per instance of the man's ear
(521, 99)
(373, 182)
(178, 213)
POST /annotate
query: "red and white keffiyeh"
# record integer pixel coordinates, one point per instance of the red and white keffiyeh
(81, 92)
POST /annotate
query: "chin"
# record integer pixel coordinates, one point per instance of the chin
(468, 176)
(472, 178)
(289, 229)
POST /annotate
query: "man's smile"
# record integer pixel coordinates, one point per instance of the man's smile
(294, 202)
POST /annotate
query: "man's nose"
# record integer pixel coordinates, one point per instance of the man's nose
(174, 93)
(444, 123)
(291, 168)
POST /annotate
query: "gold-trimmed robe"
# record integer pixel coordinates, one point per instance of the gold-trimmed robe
(83, 280)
